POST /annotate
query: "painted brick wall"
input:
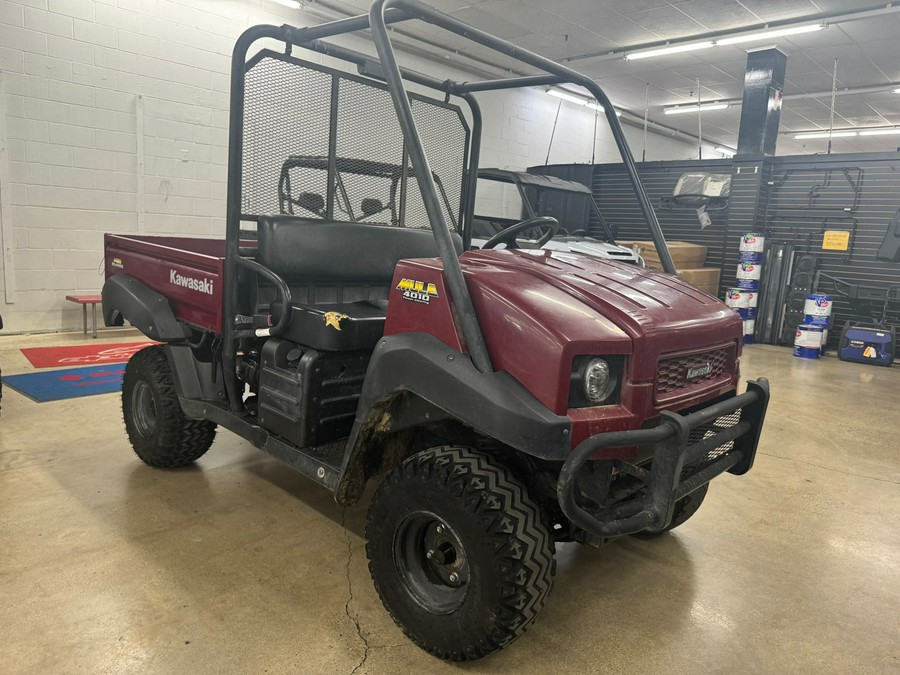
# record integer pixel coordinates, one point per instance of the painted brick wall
(73, 72)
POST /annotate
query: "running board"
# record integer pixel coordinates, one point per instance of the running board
(320, 463)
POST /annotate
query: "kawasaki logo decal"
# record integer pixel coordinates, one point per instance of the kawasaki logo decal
(199, 285)
(699, 371)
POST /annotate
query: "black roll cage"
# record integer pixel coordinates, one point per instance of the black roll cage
(386, 68)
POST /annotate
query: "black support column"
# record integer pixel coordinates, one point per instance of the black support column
(761, 107)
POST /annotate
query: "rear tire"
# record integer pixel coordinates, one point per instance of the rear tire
(158, 430)
(461, 556)
(684, 509)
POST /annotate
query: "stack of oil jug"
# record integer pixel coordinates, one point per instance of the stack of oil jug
(743, 298)
(812, 333)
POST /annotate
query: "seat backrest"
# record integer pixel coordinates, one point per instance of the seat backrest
(323, 251)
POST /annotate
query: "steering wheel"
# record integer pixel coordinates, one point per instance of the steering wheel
(508, 235)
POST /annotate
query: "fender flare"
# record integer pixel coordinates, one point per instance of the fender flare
(414, 378)
(145, 309)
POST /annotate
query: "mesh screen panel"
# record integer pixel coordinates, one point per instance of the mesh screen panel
(367, 131)
(440, 129)
(708, 430)
(287, 133)
(285, 113)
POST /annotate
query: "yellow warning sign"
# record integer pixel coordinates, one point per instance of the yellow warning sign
(834, 240)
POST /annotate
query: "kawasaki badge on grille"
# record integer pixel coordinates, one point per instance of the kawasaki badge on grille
(699, 371)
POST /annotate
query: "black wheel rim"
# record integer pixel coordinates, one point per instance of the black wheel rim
(143, 408)
(431, 562)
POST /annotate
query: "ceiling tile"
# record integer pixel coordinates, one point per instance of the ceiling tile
(490, 23)
(718, 14)
(772, 10)
(666, 22)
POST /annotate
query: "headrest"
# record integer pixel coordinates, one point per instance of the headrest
(311, 201)
(371, 206)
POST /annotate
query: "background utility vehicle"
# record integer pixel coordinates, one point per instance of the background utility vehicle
(504, 400)
(531, 195)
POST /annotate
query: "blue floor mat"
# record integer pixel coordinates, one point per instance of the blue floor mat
(56, 385)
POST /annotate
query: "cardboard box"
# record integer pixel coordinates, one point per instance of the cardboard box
(711, 290)
(684, 255)
(704, 278)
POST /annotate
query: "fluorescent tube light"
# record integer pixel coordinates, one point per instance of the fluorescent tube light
(767, 34)
(676, 49)
(578, 100)
(293, 4)
(694, 107)
(825, 134)
(897, 90)
(573, 98)
(880, 132)
(725, 151)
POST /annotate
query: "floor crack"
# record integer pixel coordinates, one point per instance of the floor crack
(354, 618)
(828, 468)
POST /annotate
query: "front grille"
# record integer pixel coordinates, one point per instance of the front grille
(672, 375)
(703, 432)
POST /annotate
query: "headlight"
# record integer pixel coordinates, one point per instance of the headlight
(595, 380)
(599, 381)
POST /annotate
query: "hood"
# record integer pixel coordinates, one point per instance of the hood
(639, 301)
(589, 305)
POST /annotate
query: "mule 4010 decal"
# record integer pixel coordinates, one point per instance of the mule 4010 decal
(417, 291)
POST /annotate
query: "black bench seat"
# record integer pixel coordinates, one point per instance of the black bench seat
(339, 274)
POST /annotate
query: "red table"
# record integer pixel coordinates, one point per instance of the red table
(84, 301)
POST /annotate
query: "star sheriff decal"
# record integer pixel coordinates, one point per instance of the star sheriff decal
(334, 319)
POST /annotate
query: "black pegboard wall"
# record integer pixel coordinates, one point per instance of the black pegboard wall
(788, 197)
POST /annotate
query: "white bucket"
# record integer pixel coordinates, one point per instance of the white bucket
(752, 243)
(737, 298)
(808, 342)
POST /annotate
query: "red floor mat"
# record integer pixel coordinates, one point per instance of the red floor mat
(82, 355)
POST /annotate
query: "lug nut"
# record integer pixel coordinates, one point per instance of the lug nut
(430, 554)
(454, 577)
(440, 528)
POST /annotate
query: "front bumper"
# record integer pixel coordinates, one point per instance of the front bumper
(688, 452)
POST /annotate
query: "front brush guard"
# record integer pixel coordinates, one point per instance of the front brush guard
(672, 451)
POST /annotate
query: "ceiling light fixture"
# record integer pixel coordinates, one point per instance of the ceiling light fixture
(694, 107)
(676, 49)
(293, 4)
(897, 90)
(825, 134)
(880, 132)
(725, 151)
(765, 35)
(579, 100)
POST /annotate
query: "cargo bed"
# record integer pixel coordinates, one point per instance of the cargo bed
(188, 271)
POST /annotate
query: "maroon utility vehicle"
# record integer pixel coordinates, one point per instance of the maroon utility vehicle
(504, 400)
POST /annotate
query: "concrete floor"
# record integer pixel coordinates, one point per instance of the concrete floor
(241, 565)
